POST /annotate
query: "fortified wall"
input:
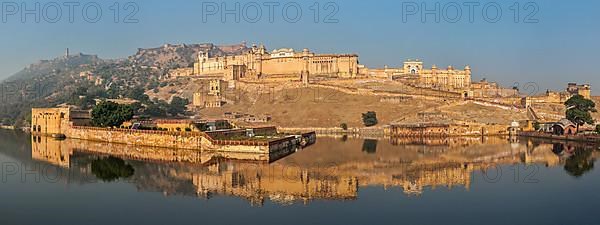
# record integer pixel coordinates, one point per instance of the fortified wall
(56, 123)
(179, 140)
(444, 130)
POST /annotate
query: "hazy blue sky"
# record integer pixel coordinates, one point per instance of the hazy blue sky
(561, 47)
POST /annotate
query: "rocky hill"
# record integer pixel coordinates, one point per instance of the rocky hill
(42, 84)
(77, 79)
(182, 55)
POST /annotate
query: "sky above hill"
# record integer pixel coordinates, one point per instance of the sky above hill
(549, 42)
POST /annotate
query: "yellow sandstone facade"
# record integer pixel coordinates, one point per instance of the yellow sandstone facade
(414, 72)
(280, 64)
(286, 64)
(54, 121)
(572, 89)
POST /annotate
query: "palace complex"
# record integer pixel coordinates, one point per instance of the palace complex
(256, 64)
(288, 65)
(280, 64)
(413, 72)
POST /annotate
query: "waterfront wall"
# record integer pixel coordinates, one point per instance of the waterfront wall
(179, 140)
(366, 131)
(59, 152)
(445, 130)
(7, 127)
(415, 130)
(581, 138)
(196, 141)
(261, 131)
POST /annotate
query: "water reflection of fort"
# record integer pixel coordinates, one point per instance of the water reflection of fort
(332, 169)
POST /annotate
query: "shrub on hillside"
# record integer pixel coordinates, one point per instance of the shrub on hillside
(370, 119)
(344, 126)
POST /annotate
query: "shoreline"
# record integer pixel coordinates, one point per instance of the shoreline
(589, 139)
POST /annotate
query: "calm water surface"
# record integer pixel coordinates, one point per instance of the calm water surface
(335, 181)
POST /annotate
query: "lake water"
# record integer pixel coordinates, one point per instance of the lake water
(336, 181)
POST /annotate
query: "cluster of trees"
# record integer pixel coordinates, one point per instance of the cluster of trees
(156, 107)
(160, 108)
(110, 114)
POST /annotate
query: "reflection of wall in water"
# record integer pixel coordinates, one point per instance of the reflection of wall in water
(57, 152)
(447, 141)
(413, 181)
(50, 150)
(279, 184)
(301, 177)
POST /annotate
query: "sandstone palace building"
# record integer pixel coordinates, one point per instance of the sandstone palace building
(256, 63)
(415, 73)
(280, 64)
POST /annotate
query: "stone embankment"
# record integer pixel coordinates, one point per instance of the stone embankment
(376, 131)
(580, 138)
(7, 127)
(230, 141)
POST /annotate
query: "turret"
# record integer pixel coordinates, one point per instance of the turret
(258, 60)
(305, 71)
(202, 56)
(467, 82)
(305, 52)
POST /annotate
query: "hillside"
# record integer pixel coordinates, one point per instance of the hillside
(45, 68)
(296, 106)
(182, 55)
(80, 78)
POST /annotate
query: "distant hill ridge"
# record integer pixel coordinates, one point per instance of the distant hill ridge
(52, 66)
(48, 83)
(167, 56)
(182, 55)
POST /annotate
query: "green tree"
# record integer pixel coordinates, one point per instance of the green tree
(178, 105)
(536, 126)
(598, 129)
(110, 114)
(578, 110)
(82, 98)
(370, 119)
(138, 93)
(155, 110)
